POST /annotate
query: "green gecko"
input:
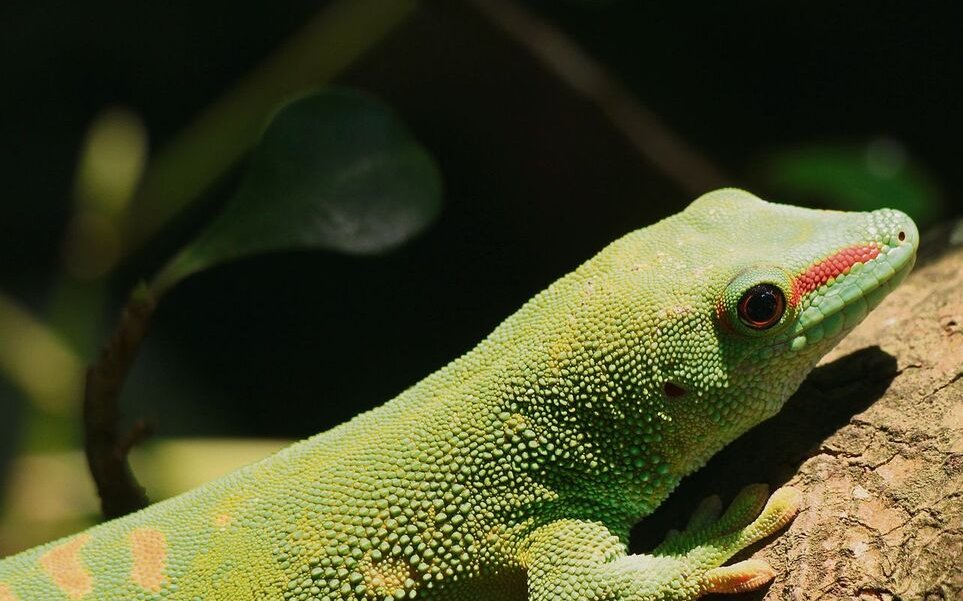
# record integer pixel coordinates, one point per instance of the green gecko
(516, 471)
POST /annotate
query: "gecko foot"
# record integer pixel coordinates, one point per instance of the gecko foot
(711, 539)
(740, 577)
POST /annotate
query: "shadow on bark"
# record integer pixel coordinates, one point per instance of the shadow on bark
(773, 451)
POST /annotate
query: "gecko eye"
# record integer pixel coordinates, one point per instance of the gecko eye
(762, 306)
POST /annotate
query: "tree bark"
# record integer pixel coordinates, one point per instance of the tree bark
(874, 440)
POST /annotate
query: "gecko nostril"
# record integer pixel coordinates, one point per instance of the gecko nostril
(901, 235)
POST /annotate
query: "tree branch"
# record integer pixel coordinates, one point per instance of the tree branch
(105, 447)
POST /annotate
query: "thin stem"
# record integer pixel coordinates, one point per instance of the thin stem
(105, 446)
(651, 137)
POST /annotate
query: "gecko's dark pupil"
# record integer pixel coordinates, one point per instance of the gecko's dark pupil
(762, 306)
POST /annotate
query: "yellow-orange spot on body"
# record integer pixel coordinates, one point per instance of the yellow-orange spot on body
(223, 520)
(6, 594)
(149, 549)
(62, 564)
(387, 577)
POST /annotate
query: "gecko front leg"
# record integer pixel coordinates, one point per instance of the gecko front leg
(574, 560)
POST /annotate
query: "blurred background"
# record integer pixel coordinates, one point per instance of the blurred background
(556, 126)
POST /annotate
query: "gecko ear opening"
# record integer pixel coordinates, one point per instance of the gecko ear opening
(673, 390)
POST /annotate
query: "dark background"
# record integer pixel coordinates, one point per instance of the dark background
(537, 179)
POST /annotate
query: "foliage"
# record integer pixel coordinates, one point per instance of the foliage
(334, 170)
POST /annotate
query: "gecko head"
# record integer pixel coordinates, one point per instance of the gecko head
(801, 280)
(743, 299)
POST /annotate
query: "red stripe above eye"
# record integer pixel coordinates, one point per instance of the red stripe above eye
(820, 272)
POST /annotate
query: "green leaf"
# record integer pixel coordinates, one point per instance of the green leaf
(855, 177)
(334, 170)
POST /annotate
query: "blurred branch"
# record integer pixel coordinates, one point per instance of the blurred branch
(106, 448)
(326, 45)
(557, 52)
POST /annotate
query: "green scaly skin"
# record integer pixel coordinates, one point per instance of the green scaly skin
(516, 471)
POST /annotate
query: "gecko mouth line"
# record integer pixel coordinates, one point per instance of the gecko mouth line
(841, 305)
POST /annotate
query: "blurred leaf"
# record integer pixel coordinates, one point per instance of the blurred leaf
(173, 465)
(324, 46)
(50, 494)
(334, 170)
(856, 177)
(112, 161)
(36, 360)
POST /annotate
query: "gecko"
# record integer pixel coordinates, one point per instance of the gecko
(517, 470)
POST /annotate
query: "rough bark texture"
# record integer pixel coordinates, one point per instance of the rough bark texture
(874, 440)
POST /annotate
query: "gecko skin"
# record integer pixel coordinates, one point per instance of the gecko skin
(516, 471)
